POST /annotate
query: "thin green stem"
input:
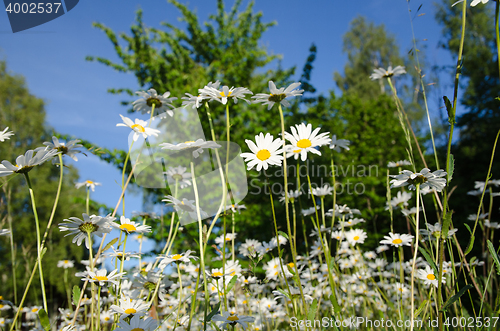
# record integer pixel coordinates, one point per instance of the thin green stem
(56, 201)
(412, 312)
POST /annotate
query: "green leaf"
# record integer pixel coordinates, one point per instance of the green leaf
(452, 167)
(42, 253)
(419, 310)
(429, 260)
(456, 296)
(446, 225)
(213, 312)
(494, 255)
(283, 234)
(312, 310)
(231, 284)
(112, 242)
(449, 109)
(284, 293)
(44, 319)
(335, 304)
(468, 228)
(471, 244)
(76, 294)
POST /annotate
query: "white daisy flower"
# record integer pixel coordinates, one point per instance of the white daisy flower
(304, 140)
(292, 195)
(68, 148)
(231, 318)
(321, 191)
(26, 162)
(355, 236)
(162, 102)
(235, 207)
(192, 100)
(221, 95)
(195, 146)
(382, 248)
(476, 2)
(434, 231)
(88, 183)
(396, 239)
(131, 227)
(129, 307)
(401, 199)
(336, 144)
(180, 175)
(187, 206)
(229, 236)
(426, 179)
(398, 164)
(309, 211)
(4, 232)
(427, 275)
(338, 235)
(66, 264)
(381, 72)
(250, 247)
(102, 277)
(5, 135)
(138, 324)
(278, 95)
(265, 152)
(94, 224)
(183, 257)
(140, 128)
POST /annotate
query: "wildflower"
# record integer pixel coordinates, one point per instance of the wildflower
(425, 178)
(278, 95)
(396, 239)
(250, 248)
(338, 235)
(427, 275)
(221, 95)
(304, 140)
(192, 100)
(94, 224)
(140, 128)
(101, 277)
(26, 162)
(183, 257)
(4, 232)
(292, 195)
(398, 164)
(355, 236)
(235, 207)
(310, 211)
(5, 135)
(119, 255)
(476, 2)
(129, 307)
(382, 248)
(434, 231)
(381, 72)
(187, 206)
(130, 227)
(106, 317)
(88, 183)
(138, 324)
(68, 148)
(321, 191)
(232, 319)
(336, 144)
(66, 264)
(162, 103)
(341, 211)
(195, 146)
(408, 212)
(401, 198)
(179, 175)
(229, 236)
(265, 152)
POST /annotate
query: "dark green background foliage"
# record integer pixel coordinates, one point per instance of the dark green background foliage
(24, 114)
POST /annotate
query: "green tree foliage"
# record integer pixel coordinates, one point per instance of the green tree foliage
(24, 114)
(479, 87)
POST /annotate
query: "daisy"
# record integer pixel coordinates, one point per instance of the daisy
(94, 224)
(68, 148)
(195, 146)
(131, 227)
(426, 179)
(235, 208)
(338, 235)
(355, 236)
(183, 257)
(26, 162)
(278, 95)
(336, 144)
(476, 2)
(184, 206)
(398, 164)
(66, 264)
(192, 100)
(434, 231)
(129, 307)
(140, 128)
(381, 72)
(265, 152)
(250, 248)
(4, 232)
(5, 135)
(162, 103)
(179, 175)
(310, 211)
(229, 236)
(304, 140)
(101, 277)
(401, 198)
(396, 239)
(292, 195)
(138, 324)
(427, 275)
(221, 95)
(232, 319)
(89, 184)
(321, 191)
(382, 248)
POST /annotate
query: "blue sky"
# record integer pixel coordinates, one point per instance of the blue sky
(52, 59)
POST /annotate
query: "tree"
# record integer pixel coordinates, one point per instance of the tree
(24, 114)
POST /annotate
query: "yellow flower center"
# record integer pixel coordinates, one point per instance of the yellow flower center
(89, 182)
(431, 277)
(291, 264)
(130, 311)
(223, 95)
(356, 238)
(137, 329)
(397, 241)
(263, 154)
(217, 274)
(1, 297)
(107, 318)
(189, 142)
(66, 261)
(34, 310)
(297, 150)
(100, 278)
(228, 239)
(176, 257)
(232, 318)
(137, 127)
(304, 143)
(128, 227)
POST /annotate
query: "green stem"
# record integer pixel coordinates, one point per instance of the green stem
(91, 263)
(12, 248)
(414, 260)
(125, 167)
(56, 201)
(497, 10)
(39, 247)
